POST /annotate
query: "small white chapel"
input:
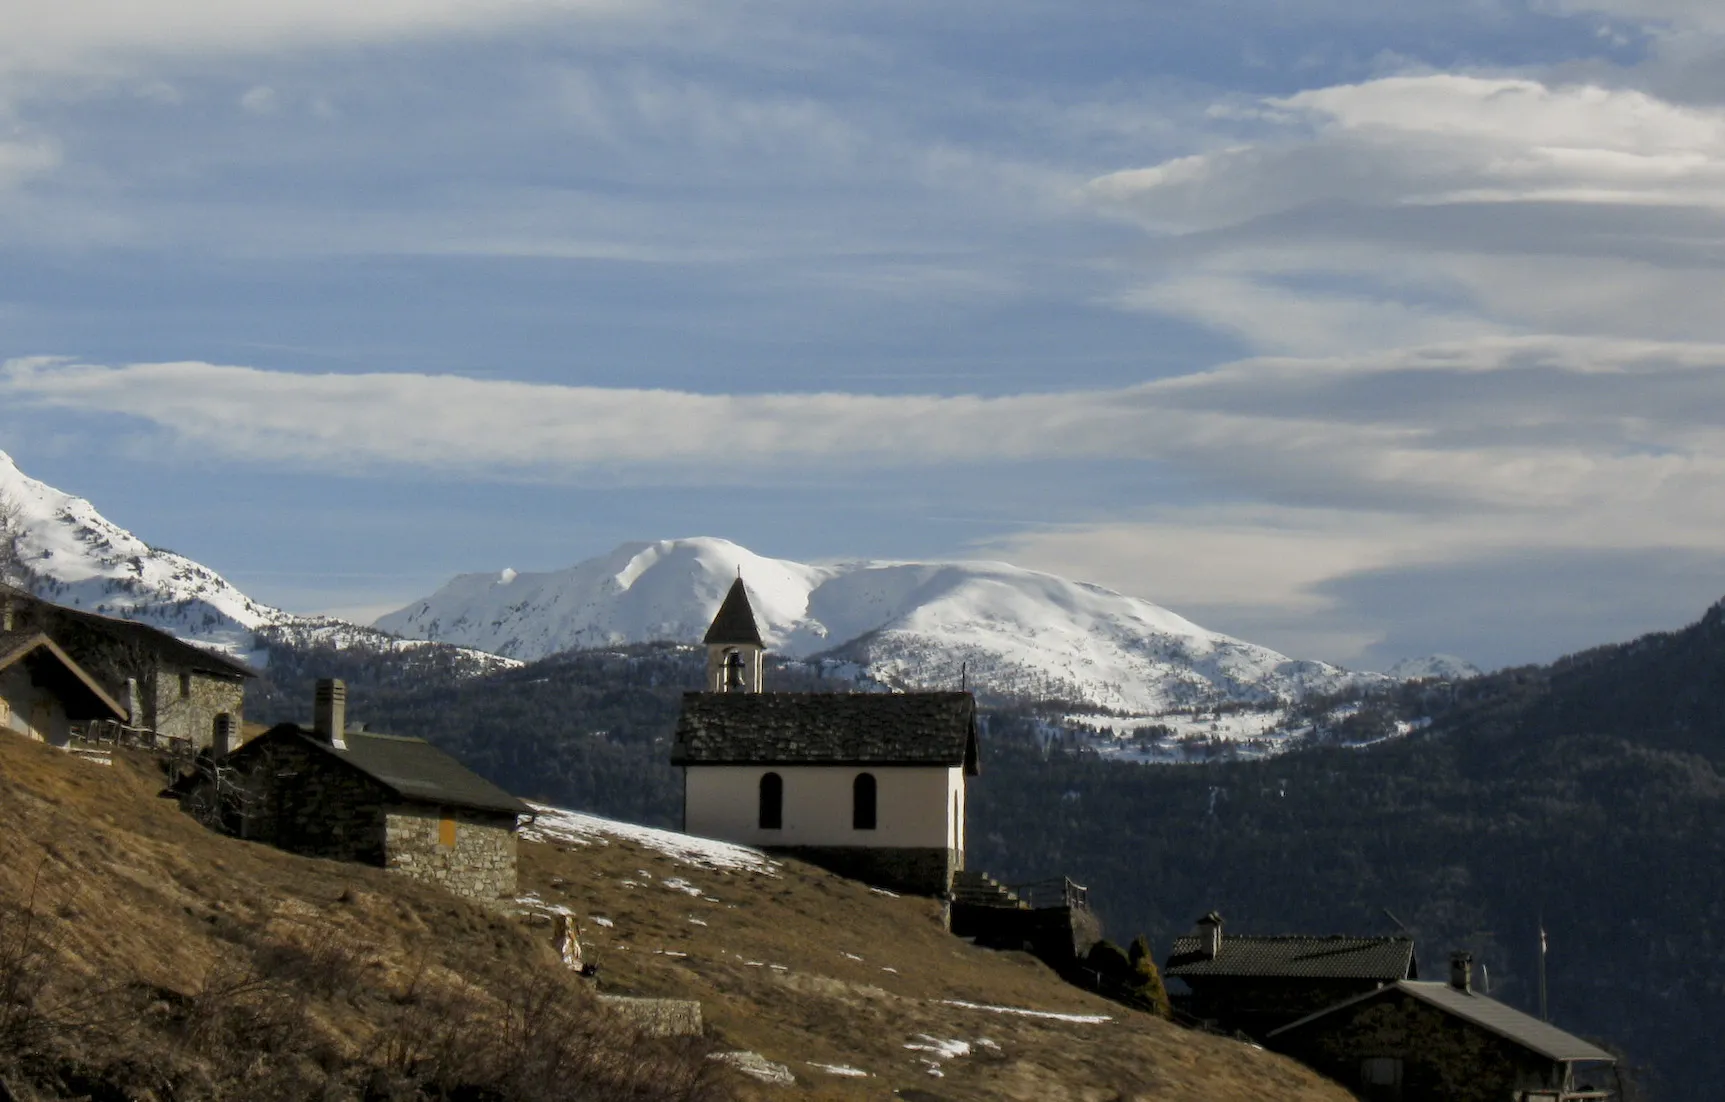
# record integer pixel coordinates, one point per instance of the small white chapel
(868, 785)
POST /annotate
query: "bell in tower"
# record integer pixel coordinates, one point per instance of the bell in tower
(734, 647)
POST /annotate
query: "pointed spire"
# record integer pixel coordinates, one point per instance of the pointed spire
(735, 622)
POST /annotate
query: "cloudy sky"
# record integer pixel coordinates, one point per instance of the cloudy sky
(1359, 330)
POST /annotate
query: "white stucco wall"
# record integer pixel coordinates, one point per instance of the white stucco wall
(915, 806)
(31, 710)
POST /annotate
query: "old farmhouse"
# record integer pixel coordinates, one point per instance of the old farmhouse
(169, 689)
(401, 803)
(1413, 1041)
(869, 785)
(43, 692)
(1256, 984)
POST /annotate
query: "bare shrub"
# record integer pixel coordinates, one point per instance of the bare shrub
(547, 1042)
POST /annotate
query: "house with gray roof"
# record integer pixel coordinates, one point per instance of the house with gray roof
(869, 785)
(1414, 1041)
(44, 692)
(354, 795)
(171, 691)
(1254, 984)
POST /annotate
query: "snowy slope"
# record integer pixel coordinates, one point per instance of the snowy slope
(77, 557)
(1016, 632)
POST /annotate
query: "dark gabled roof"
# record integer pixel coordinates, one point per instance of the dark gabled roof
(20, 646)
(411, 768)
(1483, 1011)
(168, 646)
(1296, 956)
(735, 622)
(827, 729)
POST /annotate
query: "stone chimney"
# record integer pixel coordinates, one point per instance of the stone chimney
(1208, 931)
(224, 737)
(1461, 972)
(329, 714)
(7, 617)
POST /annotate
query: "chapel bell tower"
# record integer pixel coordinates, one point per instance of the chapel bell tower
(734, 647)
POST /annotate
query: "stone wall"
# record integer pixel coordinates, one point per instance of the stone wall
(1059, 936)
(657, 1017)
(299, 798)
(1443, 1058)
(469, 853)
(914, 870)
(191, 716)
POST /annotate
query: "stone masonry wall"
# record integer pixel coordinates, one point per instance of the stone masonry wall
(918, 871)
(300, 799)
(1444, 1058)
(193, 716)
(481, 863)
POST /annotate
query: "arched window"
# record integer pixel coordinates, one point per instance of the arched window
(863, 802)
(772, 801)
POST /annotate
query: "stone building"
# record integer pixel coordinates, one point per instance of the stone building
(1413, 1041)
(169, 688)
(869, 785)
(1255, 984)
(43, 692)
(351, 795)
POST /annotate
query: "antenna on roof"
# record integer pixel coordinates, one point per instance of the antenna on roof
(964, 677)
(1400, 925)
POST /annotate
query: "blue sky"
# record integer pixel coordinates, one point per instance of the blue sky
(1362, 331)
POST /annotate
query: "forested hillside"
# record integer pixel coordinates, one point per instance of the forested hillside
(1587, 792)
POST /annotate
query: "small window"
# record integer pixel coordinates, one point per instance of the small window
(863, 802)
(1381, 1078)
(185, 685)
(446, 832)
(772, 802)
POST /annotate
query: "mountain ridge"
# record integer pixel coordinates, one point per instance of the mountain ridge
(1008, 631)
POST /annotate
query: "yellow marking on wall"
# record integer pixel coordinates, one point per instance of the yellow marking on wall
(446, 832)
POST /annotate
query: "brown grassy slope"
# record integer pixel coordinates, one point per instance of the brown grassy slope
(132, 887)
(808, 968)
(174, 963)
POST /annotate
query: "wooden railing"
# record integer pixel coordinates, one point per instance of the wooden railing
(1057, 891)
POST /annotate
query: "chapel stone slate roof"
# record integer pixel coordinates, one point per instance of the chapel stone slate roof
(1296, 957)
(735, 622)
(413, 769)
(1481, 1010)
(827, 729)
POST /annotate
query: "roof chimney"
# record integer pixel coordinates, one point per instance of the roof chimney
(329, 714)
(8, 619)
(1208, 931)
(1461, 972)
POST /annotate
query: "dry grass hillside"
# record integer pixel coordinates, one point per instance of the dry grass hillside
(143, 957)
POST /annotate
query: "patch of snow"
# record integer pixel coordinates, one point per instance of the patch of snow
(894, 971)
(853, 956)
(1087, 1019)
(944, 1049)
(755, 1065)
(600, 920)
(883, 891)
(555, 824)
(697, 922)
(839, 1069)
(677, 883)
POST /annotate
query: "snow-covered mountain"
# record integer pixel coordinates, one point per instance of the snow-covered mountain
(1012, 632)
(75, 556)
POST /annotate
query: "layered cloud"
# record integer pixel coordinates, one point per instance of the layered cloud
(1400, 209)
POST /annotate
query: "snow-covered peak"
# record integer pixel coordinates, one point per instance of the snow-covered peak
(1011, 632)
(1444, 667)
(78, 557)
